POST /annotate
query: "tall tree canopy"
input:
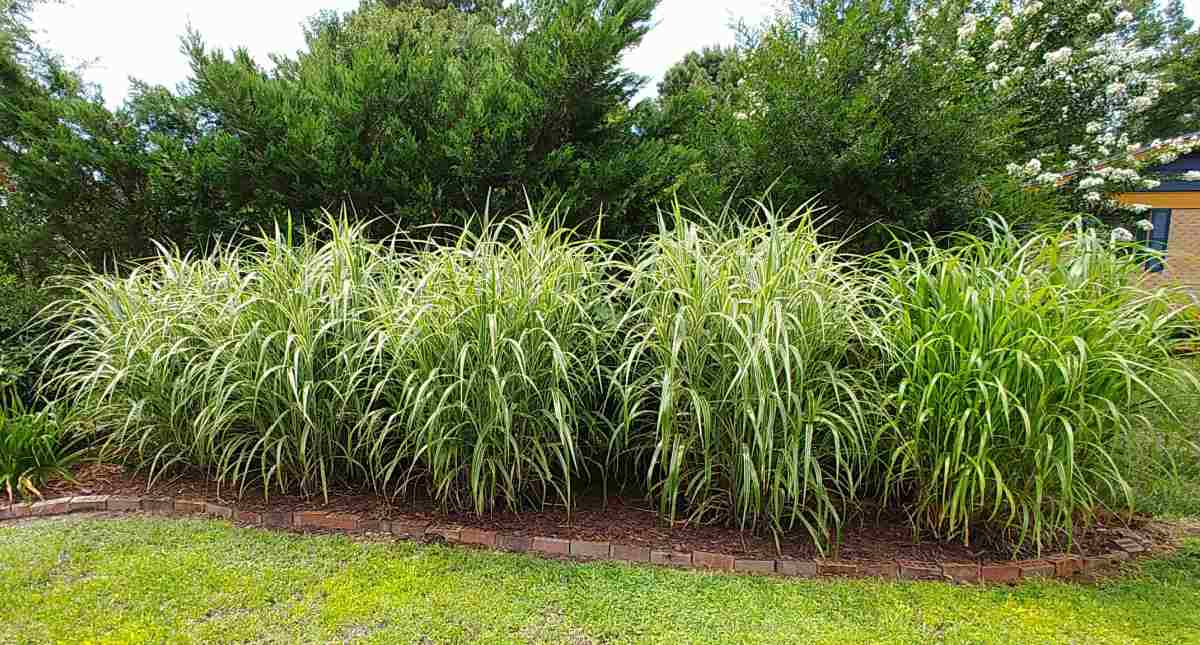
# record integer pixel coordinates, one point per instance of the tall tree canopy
(410, 111)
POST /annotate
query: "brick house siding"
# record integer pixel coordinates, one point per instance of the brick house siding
(1182, 265)
(1182, 199)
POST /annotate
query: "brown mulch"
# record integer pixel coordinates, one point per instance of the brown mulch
(623, 520)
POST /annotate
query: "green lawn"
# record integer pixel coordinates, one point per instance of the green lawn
(143, 579)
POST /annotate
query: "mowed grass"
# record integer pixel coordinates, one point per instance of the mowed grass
(140, 579)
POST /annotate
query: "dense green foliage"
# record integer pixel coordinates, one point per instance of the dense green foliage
(1164, 464)
(742, 374)
(1021, 369)
(749, 370)
(745, 388)
(1179, 110)
(472, 366)
(34, 446)
(408, 112)
(483, 361)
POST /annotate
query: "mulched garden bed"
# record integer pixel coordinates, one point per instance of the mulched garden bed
(624, 520)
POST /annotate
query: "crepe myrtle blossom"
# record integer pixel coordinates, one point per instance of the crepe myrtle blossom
(1137, 208)
(1120, 234)
(1118, 174)
(911, 50)
(1145, 225)
(1111, 69)
(1191, 175)
(969, 25)
(1150, 184)
(1124, 18)
(1049, 178)
(1058, 57)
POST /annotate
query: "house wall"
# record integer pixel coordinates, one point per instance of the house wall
(1183, 246)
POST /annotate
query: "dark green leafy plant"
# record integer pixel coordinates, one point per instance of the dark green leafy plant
(34, 447)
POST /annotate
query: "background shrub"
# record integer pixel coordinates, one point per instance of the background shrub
(745, 387)
(1020, 370)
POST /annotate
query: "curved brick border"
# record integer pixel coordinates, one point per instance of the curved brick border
(1064, 567)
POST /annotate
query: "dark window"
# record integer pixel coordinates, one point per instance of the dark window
(1157, 239)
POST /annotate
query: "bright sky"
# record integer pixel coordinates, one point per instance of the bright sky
(140, 38)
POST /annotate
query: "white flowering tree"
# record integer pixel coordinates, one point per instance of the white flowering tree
(927, 114)
(1081, 79)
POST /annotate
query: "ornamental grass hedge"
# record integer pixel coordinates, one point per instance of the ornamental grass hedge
(755, 375)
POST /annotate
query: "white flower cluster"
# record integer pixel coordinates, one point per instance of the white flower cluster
(970, 24)
(1058, 57)
(1120, 234)
(1108, 78)
(1118, 174)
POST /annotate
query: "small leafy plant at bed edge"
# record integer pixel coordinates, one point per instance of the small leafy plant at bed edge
(34, 446)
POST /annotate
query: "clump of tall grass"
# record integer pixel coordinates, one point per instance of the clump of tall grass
(489, 353)
(239, 363)
(1019, 369)
(472, 366)
(745, 391)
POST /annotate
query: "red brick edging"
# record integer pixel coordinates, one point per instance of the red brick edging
(1063, 567)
